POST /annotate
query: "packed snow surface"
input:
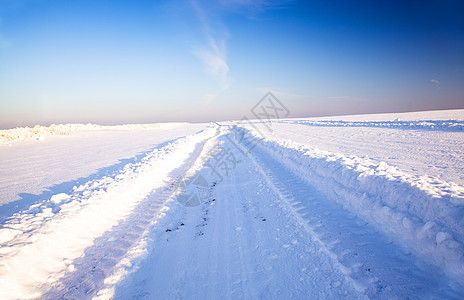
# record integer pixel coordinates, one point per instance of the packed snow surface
(346, 207)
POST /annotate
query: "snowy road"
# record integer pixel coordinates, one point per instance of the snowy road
(266, 233)
(222, 214)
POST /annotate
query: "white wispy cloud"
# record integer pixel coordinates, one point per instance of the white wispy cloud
(213, 54)
(213, 57)
(436, 82)
(207, 99)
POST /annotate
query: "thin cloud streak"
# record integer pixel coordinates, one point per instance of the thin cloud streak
(208, 98)
(213, 55)
(436, 82)
(214, 60)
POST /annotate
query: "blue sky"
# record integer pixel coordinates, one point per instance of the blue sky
(113, 62)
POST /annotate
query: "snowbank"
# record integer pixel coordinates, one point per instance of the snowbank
(441, 125)
(38, 245)
(422, 214)
(39, 132)
(447, 114)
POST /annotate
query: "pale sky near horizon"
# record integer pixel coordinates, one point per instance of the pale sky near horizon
(114, 62)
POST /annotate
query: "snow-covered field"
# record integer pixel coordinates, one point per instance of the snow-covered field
(347, 207)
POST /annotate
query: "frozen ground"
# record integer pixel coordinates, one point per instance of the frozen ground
(347, 207)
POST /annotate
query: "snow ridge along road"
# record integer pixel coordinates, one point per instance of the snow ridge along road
(39, 246)
(438, 125)
(422, 215)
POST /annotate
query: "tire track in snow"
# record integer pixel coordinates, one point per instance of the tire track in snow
(31, 262)
(274, 256)
(170, 199)
(422, 215)
(374, 266)
(114, 251)
(246, 249)
(307, 247)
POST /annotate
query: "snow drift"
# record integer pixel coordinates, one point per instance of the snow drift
(39, 132)
(420, 213)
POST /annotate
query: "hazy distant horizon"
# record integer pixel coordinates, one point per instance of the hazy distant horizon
(6, 127)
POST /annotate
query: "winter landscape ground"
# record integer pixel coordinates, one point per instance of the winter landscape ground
(367, 206)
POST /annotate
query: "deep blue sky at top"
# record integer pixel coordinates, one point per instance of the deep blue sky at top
(150, 61)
